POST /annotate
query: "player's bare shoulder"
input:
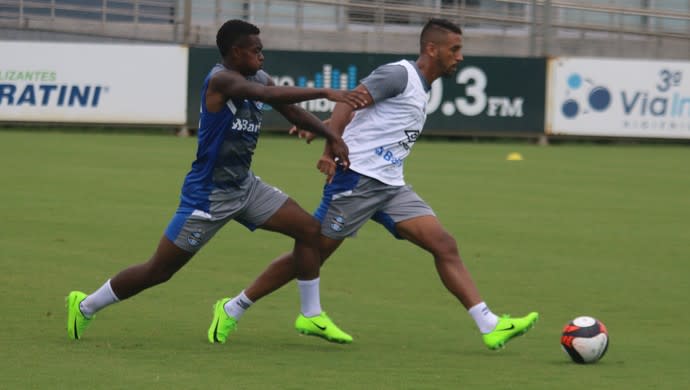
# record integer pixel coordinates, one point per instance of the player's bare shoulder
(224, 77)
(220, 88)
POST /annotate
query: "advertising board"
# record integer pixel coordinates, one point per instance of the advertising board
(618, 98)
(93, 83)
(486, 95)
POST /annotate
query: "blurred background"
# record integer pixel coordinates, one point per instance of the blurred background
(618, 28)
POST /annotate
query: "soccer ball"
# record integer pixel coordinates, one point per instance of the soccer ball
(585, 339)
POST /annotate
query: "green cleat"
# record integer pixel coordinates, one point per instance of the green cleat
(507, 328)
(321, 326)
(222, 324)
(76, 321)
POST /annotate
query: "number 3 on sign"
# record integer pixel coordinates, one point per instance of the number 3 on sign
(475, 81)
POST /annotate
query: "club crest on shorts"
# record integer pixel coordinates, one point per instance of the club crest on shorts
(194, 238)
(337, 223)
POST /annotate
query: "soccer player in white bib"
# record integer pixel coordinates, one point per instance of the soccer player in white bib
(380, 137)
(221, 187)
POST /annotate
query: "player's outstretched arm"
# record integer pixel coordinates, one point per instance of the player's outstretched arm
(343, 113)
(308, 121)
(341, 117)
(232, 84)
(309, 136)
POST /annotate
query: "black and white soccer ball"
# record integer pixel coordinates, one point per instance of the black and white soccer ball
(585, 339)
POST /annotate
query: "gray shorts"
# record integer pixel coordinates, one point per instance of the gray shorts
(190, 228)
(351, 199)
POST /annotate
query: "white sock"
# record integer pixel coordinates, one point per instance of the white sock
(486, 320)
(99, 299)
(309, 297)
(237, 306)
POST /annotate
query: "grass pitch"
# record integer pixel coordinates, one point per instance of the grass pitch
(571, 230)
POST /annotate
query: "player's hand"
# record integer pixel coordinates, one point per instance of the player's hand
(340, 152)
(356, 99)
(302, 134)
(327, 166)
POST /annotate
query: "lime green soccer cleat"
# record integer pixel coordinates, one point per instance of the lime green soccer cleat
(222, 324)
(507, 328)
(321, 326)
(76, 321)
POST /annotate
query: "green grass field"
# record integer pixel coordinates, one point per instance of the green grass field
(601, 230)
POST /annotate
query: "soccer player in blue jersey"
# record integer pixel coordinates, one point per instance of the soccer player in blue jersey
(380, 137)
(222, 187)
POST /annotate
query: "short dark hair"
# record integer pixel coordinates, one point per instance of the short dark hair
(433, 27)
(232, 32)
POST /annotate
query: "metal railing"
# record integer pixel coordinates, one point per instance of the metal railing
(492, 27)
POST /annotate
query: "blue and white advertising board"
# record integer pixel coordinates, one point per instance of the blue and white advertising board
(618, 98)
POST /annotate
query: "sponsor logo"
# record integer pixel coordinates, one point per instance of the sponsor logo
(328, 77)
(239, 124)
(663, 105)
(389, 156)
(337, 223)
(28, 75)
(242, 304)
(598, 97)
(195, 238)
(412, 136)
(666, 105)
(42, 89)
(511, 327)
(476, 101)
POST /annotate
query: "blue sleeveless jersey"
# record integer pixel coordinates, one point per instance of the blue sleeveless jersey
(226, 143)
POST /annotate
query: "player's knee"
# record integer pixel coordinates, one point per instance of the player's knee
(445, 246)
(310, 233)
